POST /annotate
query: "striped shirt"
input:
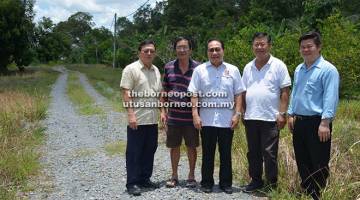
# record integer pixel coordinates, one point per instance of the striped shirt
(175, 83)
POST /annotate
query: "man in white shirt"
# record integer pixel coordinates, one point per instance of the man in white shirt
(216, 123)
(267, 82)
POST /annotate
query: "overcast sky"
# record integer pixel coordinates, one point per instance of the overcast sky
(102, 10)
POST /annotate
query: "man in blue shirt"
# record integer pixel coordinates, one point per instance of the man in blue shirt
(312, 108)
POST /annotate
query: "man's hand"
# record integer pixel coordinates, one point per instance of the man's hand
(291, 122)
(235, 121)
(132, 121)
(324, 130)
(281, 121)
(197, 122)
(163, 119)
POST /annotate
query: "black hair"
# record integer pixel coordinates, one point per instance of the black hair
(315, 36)
(261, 35)
(178, 39)
(146, 42)
(215, 39)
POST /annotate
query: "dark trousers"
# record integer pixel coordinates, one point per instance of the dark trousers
(140, 150)
(312, 156)
(263, 142)
(209, 137)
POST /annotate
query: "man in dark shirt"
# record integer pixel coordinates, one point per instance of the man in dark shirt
(177, 117)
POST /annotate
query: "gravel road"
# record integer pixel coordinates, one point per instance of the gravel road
(76, 165)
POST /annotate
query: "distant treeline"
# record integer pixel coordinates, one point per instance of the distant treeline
(234, 21)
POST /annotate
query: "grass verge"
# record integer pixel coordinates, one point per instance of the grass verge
(117, 147)
(344, 181)
(105, 80)
(23, 103)
(78, 95)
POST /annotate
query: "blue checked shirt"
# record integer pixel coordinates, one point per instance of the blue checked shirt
(315, 90)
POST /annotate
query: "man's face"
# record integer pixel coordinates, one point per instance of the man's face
(309, 51)
(215, 53)
(183, 50)
(261, 47)
(147, 54)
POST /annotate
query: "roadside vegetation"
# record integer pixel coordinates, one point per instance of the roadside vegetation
(23, 103)
(84, 103)
(344, 181)
(105, 80)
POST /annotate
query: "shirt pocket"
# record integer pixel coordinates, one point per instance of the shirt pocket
(227, 83)
(313, 86)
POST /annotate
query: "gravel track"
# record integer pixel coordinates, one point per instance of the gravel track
(76, 166)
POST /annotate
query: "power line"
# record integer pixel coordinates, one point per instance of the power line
(137, 9)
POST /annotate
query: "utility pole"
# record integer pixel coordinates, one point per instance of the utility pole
(114, 41)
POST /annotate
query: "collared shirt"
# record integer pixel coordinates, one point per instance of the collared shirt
(263, 89)
(141, 80)
(224, 79)
(175, 83)
(315, 90)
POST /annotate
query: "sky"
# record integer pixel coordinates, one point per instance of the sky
(102, 10)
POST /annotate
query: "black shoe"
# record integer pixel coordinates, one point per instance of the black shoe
(206, 189)
(149, 185)
(227, 189)
(253, 186)
(134, 190)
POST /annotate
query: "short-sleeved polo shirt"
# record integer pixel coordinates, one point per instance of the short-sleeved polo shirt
(140, 79)
(225, 79)
(263, 89)
(176, 83)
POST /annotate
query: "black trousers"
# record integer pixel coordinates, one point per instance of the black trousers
(140, 149)
(263, 142)
(312, 156)
(210, 136)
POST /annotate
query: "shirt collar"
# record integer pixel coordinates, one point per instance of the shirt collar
(191, 64)
(315, 64)
(266, 65)
(208, 64)
(142, 66)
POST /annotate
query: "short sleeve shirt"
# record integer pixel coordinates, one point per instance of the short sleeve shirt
(263, 89)
(175, 83)
(208, 79)
(139, 79)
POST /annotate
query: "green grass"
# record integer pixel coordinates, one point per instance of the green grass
(23, 102)
(78, 95)
(116, 148)
(105, 80)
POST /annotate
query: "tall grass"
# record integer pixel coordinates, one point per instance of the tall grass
(23, 102)
(105, 80)
(78, 95)
(344, 181)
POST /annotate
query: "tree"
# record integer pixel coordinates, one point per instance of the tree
(16, 29)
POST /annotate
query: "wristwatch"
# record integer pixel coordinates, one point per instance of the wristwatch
(282, 114)
(238, 114)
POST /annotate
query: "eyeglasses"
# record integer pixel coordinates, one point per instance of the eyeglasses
(217, 49)
(259, 44)
(183, 48)
(148, 51)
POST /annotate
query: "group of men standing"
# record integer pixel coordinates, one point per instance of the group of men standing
(259, 98)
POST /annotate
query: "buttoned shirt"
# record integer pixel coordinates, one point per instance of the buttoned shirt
(224, 79)
(263, 89)
(142, 80)
(315, 90)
